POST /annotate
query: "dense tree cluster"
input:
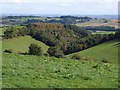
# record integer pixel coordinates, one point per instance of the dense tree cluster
(75, 17)
(44, 26)
(14, 32)
(80, 30)
(86, 42)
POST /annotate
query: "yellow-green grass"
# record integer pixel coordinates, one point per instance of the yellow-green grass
(21, 44)
(18, 26)
(105, 51)
(28, 71)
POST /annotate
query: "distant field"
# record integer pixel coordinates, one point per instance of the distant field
(104, 32)
(18, 26)
(98, 23)
(20, 44)
(107, 50)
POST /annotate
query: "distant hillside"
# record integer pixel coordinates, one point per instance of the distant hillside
(104, 16)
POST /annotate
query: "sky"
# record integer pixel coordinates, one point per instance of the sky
(62, 7)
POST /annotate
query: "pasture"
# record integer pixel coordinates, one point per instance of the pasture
(105, 51)
(20, 71)
(98, 22)
(21, 44)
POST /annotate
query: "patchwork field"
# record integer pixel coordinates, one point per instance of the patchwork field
(98, 23)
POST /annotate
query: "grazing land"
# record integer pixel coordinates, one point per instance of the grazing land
(105, 51)
(48, 72)
(21, 44)
(99, 22)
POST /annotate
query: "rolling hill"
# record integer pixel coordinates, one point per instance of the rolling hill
(107, 50)
(21, 44)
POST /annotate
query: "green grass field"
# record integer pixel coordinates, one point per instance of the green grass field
(20, 71)
(107, 50)
(21, 44)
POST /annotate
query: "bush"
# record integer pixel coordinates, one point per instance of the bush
(34, 49)
(9, 51)
(46, 54)
(105, 61)
(54, 51)
(76, 56)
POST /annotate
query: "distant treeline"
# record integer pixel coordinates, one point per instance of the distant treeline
(63, 38)
(35, 19)
(75, 17)
(101, 28)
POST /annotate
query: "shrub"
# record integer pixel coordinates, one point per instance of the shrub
(46, 54)
(34, 49)
(76, 56)
(105, 61)
(9, 51)
(54, 51)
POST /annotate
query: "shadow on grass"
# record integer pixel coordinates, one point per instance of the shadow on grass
(117, 45)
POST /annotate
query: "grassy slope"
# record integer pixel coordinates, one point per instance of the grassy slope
(2, 31)
(40, 72)
(20, 44)
(107, 50)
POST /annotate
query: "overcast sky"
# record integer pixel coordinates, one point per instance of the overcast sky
(64, 7)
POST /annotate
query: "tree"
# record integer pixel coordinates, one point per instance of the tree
(10, 32)
(34, 49)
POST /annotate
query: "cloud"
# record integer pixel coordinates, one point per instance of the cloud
(19, 1)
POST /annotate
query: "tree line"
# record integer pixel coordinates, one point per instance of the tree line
(101, 28)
